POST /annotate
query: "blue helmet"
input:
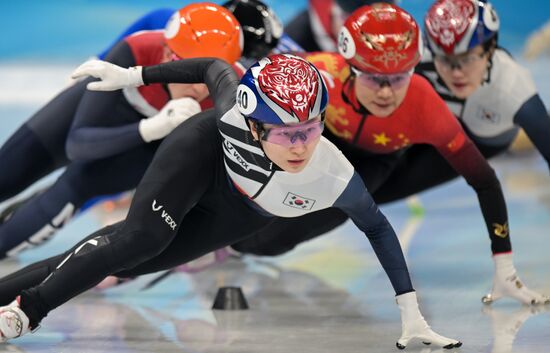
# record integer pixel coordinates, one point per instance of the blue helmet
(282, 89)
(456, 26)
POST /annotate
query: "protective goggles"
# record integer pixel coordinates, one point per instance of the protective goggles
(290, 135)
(461, 62)
(377, 81)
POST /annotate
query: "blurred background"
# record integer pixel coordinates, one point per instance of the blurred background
(58, 31)
(60, 34)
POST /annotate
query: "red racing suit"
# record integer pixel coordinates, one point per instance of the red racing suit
(422, 118)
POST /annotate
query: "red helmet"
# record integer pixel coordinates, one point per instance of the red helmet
(204, 30)
(455, 26)
(382, 38)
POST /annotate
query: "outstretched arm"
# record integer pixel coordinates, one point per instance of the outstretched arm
(442, 130)
(98, 129)
(534, 119)
(477, 172)
(358, 204)
(108, 125)
(451, 141)
(219, 76)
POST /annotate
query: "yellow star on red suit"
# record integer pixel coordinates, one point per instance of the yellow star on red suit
(381, 139)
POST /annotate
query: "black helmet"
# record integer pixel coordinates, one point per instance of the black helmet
(261, 27)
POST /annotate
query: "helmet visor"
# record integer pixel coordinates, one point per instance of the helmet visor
(290, 135)
(464, 62)
(377, 81)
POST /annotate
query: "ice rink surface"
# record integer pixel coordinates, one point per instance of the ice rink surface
(329, 295)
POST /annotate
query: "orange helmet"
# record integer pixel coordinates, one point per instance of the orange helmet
(204, 30)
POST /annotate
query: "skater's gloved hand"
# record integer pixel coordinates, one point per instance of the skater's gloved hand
(71, 80)
(414, 325)
(172, 114)
(112, 77)
(506, 283)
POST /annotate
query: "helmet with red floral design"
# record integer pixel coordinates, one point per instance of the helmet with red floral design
(287, 91)
(455, 26)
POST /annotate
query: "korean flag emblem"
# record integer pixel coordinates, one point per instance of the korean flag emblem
(488, 116)
(298, 201)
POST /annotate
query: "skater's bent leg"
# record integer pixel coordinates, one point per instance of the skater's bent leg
(31, 275)
(38, 147)
(38, 219)
(24, 160)
(198, 236)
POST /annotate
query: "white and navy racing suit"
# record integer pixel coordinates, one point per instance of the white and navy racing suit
(506, 101)
(208, 186)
